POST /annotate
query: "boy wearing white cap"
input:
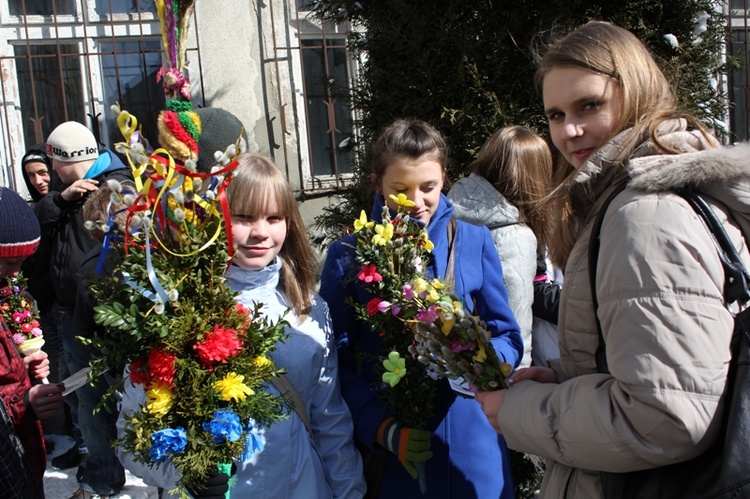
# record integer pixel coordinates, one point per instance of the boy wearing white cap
(80, 164)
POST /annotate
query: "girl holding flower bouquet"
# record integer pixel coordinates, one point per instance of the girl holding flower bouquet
(467, 459)
(273, 264)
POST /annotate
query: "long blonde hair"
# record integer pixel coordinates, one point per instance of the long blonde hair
(256, 181)
(647, 101)
(518, 163)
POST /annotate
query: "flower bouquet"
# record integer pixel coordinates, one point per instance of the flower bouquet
(425, 329)
(166, 310)
(391, 254)
(19, 311)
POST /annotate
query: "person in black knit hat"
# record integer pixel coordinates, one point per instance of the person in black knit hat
(23, 404)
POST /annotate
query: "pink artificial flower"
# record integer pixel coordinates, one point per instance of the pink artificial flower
(460, 347)
(429, 315)
(408, 293)
(26, 314)
(383, 306)
(369, 274)
(36, 332)
(18, 317)
(395, 309)
(35, 323)
(18, 339)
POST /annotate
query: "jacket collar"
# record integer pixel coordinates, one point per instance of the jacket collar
(267, 277)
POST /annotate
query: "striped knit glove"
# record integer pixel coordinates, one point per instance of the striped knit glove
(410, 446)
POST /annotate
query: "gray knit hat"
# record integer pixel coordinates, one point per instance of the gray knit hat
(219, 129)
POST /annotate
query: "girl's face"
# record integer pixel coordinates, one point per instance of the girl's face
(420, 180)
(583, 108)
(258, 238)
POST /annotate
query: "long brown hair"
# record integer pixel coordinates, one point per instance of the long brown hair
(647, 101)
(518, 163)
(256, 181)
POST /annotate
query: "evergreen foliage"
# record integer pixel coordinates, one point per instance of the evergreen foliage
(467, 67)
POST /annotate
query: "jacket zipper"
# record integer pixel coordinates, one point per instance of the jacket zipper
(567, 484)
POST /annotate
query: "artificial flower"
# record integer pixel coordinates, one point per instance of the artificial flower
(372, 306)
(254, 441)
(362, 222)
(139, 372)
(161, 367)
(481, 355)
(261, 361)
(232, 387)
(369, 273)
(402, 200)
(167, 442)
(428, 315)
(448, 320)
(18, 338)
(218, 346)
(383, 234)
(395, 369)
(159, 400)
(224, 427)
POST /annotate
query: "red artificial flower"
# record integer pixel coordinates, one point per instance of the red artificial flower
(138, 373)
(217, 346)
(26, 327)
(242, 309)
(372, 306)
(369, 273)
(161, 367)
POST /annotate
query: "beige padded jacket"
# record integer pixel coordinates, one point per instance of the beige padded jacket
(667, 330)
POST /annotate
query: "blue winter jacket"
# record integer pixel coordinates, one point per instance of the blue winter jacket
(292, 464)
(470, 458)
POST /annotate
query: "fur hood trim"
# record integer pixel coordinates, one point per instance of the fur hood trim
(698, 170)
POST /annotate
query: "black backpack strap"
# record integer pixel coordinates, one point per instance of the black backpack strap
(736, 282)
(594, 244)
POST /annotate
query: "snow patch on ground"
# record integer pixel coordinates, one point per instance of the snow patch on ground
(61, 484)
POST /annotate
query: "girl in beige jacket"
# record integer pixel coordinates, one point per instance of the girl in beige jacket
(659, 281)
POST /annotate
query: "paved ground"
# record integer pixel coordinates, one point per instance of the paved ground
(61, 484)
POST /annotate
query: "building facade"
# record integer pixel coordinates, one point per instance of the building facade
(268, 62)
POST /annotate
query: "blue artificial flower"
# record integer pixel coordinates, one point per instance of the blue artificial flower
(253, 442)
(224, 427)
(167, 442)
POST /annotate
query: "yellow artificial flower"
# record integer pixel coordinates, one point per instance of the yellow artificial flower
(362, 222)
(159, 401)
(419, 285)
(384, 234)
(481, 355)
(233, 388)
(432, 295)
(261, 361)
(428, 246)
(402, 200)
(448, 321)
(437, 283)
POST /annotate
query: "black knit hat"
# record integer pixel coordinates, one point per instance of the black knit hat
(37, 154)
(19, 228)
(219, 129)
